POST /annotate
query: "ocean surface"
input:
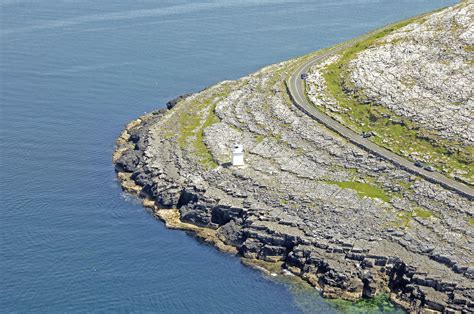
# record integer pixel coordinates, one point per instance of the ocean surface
(72, 74)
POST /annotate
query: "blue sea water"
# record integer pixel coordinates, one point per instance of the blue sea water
(72, 74)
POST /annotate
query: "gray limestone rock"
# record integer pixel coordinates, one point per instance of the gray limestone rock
(298, 199)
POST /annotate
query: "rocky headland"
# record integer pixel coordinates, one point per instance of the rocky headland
(308, 201)
(411, 88)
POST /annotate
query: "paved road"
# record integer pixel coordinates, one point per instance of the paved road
(296, 88)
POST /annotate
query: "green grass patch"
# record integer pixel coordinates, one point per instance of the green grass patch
(189, 124)
(393, 132)
(471, 221)
(421, 213)
(201, 149)
(405, 185)
(299, 151)
(192, 122)
(364, 189)
(405, 217)
(259, 138)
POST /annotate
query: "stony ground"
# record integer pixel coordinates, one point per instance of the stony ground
(424, 72)
(412, 89)
(342, 219)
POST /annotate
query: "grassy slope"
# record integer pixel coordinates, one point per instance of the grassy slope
(364, 189)
(399, 135)
(189, 123)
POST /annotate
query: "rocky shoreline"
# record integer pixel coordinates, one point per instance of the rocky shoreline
(307, 201)
(384, 274)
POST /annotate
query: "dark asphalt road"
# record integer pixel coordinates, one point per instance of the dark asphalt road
(296, 88)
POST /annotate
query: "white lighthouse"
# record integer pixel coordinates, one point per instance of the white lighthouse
(237, 155)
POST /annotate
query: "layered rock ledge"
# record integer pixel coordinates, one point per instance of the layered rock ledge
(344, 220)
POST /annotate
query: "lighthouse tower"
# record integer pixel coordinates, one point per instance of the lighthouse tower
(237, 155)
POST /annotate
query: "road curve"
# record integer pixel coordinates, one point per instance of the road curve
(296, 89)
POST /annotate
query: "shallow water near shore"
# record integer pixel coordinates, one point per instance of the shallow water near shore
(72, 74)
